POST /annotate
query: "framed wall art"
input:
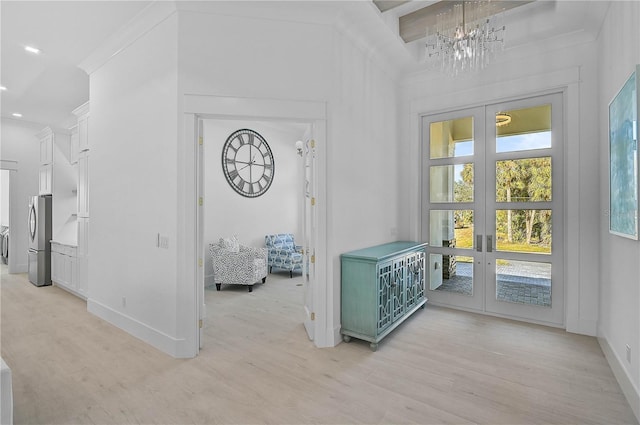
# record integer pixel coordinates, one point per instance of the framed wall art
(623, 159)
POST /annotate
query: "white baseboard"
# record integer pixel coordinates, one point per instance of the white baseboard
(337, 336)
(172, 346)
(626, 384)
(208, 280)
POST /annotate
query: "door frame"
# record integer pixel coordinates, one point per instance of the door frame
(190, 247)
(479, 301)
(580, 305)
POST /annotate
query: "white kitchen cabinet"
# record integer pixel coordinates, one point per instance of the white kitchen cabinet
(74, 148)
(83, 255)
(45, 179)
(83, 184)
(64, 268)
(46, 146)
(82, 112)
(83, 237)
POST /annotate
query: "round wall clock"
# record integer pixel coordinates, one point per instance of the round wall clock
(247, 162)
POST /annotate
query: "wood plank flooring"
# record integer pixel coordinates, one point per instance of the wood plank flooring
(440, 367)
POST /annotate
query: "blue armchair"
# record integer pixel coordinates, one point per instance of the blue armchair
(283, 253)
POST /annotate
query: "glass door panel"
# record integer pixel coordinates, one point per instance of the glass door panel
(491, 206)
(524, 211)
(452, 150)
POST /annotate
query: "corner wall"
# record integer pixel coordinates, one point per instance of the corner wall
(273, 59)
(619, 324)
(133, 187)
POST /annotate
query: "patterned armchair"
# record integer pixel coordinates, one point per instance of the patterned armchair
(283, 253)
(238, 265)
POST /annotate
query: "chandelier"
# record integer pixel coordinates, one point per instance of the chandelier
(466, 36)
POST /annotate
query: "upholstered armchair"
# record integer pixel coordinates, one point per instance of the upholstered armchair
(241, 265)
(283, 253)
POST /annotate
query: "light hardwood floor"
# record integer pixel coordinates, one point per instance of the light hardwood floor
(441, 366)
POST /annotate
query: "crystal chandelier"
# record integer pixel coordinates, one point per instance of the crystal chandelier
(466, 36)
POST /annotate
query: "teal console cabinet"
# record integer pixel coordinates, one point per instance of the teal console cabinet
(381, 287)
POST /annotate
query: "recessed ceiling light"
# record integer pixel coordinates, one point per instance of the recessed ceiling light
(17, 115)
(3, 88)
(31, 49)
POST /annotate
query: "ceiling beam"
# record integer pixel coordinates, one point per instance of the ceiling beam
(384, 5)
(415, 25)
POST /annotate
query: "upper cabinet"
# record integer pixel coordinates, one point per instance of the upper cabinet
(46, 146)
(82, 112)
(74, 145)
(46, 139)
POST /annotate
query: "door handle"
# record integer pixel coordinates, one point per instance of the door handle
(489, 243)
(479, 243)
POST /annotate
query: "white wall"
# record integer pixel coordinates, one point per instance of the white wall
(287, 60)
(4, 198)
(619, 324)
(136, 146)
(276, 211)
(133, 181)
(558, 65)
(19, 143)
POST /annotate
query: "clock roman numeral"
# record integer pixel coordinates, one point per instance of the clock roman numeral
(233, 174)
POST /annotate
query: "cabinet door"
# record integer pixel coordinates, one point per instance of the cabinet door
(385, 277)
(397, 287)
(67, 271)
(74, 146)
(56, 260)
(414, 282)
(45, 179)
(73, 273)
(83, 133)
(83, 184)
(83, 275)
(46, 150)
(83, 237)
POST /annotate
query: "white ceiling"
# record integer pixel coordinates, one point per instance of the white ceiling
(47, 87)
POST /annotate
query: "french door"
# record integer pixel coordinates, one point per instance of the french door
(492, 208)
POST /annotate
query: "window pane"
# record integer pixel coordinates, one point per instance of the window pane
(451, 228)
(451, 273)
(523, 282)
(451, 138)
(523, 129)
(523, 231)
(451, 183)
(523, 180)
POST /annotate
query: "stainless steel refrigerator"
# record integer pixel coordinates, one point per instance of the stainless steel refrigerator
(40, 212)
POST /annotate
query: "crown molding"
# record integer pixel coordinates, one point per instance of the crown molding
(139, 25)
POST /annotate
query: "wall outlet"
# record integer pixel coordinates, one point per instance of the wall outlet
(628, 354)
(164, 242)
(124, 301)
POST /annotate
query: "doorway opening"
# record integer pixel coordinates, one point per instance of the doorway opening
(5, 218)
(239, 157)
(318, 313)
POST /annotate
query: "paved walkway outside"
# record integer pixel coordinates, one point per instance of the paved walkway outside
(518, 281)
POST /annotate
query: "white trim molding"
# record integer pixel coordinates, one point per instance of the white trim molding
(629, 390)
(197, 107)
(151, 336)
